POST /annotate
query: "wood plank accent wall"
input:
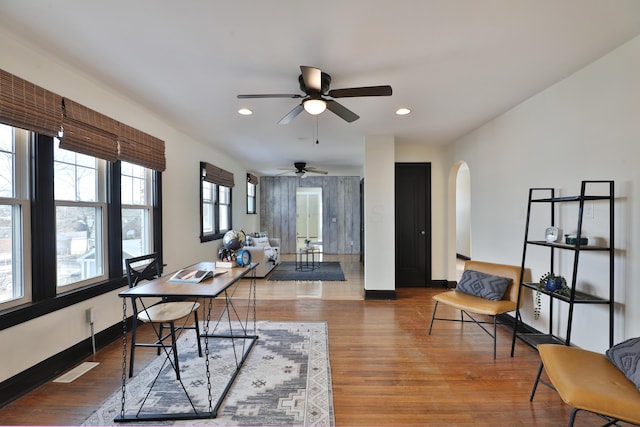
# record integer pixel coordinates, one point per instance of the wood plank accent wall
(340, 200)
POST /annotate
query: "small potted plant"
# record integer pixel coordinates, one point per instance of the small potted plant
(551, 283)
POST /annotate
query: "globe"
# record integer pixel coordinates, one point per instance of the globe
(233, 240)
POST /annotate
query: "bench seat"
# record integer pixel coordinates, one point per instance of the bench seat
(471, 304)
(588, 381)
(474, 304)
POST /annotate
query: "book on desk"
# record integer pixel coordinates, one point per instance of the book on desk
(193, 275)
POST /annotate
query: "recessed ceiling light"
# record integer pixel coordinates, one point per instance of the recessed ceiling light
(245, 111)
(403, 111)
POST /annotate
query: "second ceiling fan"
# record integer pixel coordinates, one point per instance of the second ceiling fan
(315, 84)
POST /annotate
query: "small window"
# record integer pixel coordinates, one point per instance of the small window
(80, 219)
(14, 208)
(215, 202)
(137, 210)
(251, 196)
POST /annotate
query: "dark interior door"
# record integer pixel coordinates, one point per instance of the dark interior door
(413, 224)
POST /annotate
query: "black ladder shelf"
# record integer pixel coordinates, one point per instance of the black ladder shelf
(575, 296)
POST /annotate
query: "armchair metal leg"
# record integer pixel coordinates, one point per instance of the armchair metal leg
(495, 336)
(435, 307)
(572, 418)
(535, 384)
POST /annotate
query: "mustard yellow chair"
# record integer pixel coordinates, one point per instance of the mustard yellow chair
(468, 303)
(588, 381)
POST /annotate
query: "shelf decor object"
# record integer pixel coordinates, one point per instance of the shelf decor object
(551, 283)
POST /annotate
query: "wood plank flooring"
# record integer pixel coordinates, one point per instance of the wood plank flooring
(386, 369)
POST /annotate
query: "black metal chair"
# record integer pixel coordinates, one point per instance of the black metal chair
(165, 312)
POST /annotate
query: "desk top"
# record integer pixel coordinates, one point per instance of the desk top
(209, 288)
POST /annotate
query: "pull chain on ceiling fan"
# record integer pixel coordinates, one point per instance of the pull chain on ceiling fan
(315, 84)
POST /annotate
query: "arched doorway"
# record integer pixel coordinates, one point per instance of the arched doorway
(459, 231)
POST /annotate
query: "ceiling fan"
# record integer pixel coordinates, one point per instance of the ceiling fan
(315, 84)
(301, 169)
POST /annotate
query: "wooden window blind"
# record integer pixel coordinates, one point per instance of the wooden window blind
(252, 179)
(27, 106)
(88, 132)
(135, 146)
(216, 175)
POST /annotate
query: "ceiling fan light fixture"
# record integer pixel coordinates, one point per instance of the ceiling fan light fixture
(314, 106)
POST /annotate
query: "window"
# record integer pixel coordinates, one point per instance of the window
(14, 210)
(80, 218)
(137, 210)
(69, 207)
(252, 185)
(215, 202)
(224, 208)
(216, 210)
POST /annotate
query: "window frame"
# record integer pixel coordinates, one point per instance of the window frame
(216, 233)
(252, 196)
(41, 203)
(101, 220)
(19, 202)
(146, 205)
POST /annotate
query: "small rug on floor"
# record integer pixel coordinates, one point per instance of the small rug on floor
(285, 381)
(328, 271)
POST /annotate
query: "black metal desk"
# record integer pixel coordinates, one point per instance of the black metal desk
(221, 286)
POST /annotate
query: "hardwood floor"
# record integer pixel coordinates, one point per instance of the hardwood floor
(386, 369)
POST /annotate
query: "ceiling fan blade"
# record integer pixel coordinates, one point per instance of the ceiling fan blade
(314, 170)
(291, 115)
(271, 95)
(342, 111)
(312, 77)
(361, 91)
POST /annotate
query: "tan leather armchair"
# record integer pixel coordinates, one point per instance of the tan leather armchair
(467, 303)
(588, 381)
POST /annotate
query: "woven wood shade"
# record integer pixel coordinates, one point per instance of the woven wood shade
(27, 106)
(88, 132)
(137, 147)
(217, 175)
(252, 179)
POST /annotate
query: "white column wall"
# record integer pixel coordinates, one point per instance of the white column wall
(379, 218)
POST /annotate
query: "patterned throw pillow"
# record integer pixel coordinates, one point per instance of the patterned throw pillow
(483, 285)
(626, 357)
(261, 242)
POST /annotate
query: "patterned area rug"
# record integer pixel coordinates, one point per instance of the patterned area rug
(328, 271)
(285, 381)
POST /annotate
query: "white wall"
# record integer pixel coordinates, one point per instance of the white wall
(586, 127)
(57, 331)
(379, 215)
(462, 211)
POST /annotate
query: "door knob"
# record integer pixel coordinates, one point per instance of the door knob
(422, 232)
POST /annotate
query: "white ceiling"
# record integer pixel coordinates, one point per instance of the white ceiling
(455, 63)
